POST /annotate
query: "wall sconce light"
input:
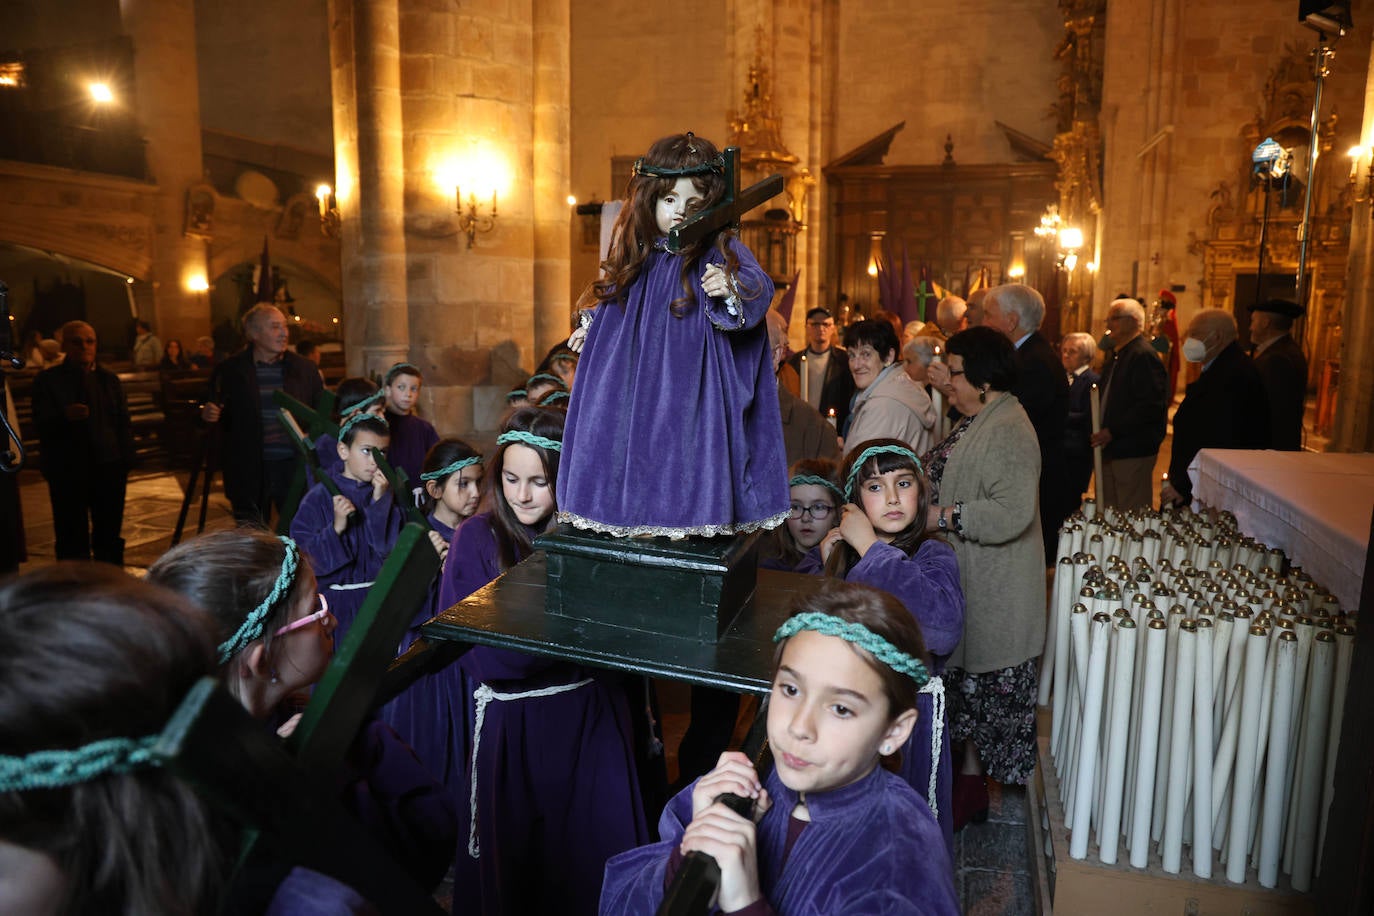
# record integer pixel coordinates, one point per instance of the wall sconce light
(100, 93)
(1016, 272)
(1361, 160)
(1049, 223)
(875, 252)
(471, 219)
(329, 211)
(1070, 240)
(197, 284)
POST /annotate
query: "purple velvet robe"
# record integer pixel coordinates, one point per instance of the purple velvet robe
(928, 585)
(557, 790)
(327, 449)
(673, 427)
(871, 847)
(352, 558)
(411, 439)
(415, 712)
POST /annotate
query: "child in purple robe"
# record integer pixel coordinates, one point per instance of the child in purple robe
(452, 478)
(347, 555)
(832, 831)
(881, 541)
(411, 437)
(276, 640)
(92, 665)
(816, 500)
(550, 788)
(675, 387)
(354, 393)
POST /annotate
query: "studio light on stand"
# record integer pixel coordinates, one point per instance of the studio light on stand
(1271, 164)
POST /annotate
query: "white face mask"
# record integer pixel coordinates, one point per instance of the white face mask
(1194, 350)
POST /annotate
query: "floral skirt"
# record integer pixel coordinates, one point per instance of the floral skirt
(996, 711)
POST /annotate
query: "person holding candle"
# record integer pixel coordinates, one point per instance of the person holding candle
(1135, 404)
(824, 368)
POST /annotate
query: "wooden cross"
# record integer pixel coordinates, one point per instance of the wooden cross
(732, 206)
(277, 791)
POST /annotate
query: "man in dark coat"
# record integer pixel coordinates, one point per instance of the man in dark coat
(1076, 353)
(829, 386)
(1282, 367)
(86, 448)
(256, 457)
(1225, 408)
(1017, 311)
(1135, 411)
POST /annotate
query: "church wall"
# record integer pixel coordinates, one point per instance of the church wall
(264, 71)
(57, 23)
(1201, 77)
(944, 68)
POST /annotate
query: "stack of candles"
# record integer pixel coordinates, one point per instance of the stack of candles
(1197, 695)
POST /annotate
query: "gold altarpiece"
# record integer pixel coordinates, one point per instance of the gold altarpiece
(1228, 247)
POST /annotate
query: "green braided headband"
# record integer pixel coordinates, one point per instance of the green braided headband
(251, 628)
(354, 419)
(452, 468)
(366, 402)
(553, 396)
(515, 394)
(53, 769)
(811, 480)
(415, 369)
(519, 435)
(868, 453)
(859, 635)
(543, 377)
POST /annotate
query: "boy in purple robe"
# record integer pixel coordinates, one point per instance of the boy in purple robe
(673, 427)
(549, 789)
(411, 437)
(347, 555)
(831, 832)
(353, 394)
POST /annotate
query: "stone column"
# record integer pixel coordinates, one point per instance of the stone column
(551, 175)
(365, 58)
(1354, 430)
(167, 100)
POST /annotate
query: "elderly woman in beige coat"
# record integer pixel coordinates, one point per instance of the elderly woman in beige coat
(984, 479)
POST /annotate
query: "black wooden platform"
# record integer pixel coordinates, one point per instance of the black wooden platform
(510, 613)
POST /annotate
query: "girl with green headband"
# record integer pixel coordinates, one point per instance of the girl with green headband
(882, 541)
(815, 510)
(411, 436)
(276, 639)
(452, 479)
(832, 831)
(540, 754)
(92, 665)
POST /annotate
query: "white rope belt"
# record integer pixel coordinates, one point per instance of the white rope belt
(936, 688)
(484, 695)
(348, 586)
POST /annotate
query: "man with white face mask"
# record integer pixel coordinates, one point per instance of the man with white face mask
(1225, 408)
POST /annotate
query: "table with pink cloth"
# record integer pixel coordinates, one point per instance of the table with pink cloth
(1315, 507)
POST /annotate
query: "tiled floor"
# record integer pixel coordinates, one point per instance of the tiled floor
(992, 868)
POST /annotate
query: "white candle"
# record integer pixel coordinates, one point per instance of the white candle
(1174, 623)
(805, 381)
(1058, 645)
(1310, 772)
(1119, 724)
(1345, 653)
(1171, 851)
(1085, 780)
(1156, 638)
(1271, 828)
(1202, 751)
(1256, 647)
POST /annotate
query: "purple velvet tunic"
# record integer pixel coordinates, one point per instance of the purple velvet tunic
(415, 712)
(344, 561)
(871, 847)
(411, 439)
(928, 585)
(556, 788)
(673, 427)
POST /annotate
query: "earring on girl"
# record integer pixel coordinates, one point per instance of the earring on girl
(983, 394)
(886, 749)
